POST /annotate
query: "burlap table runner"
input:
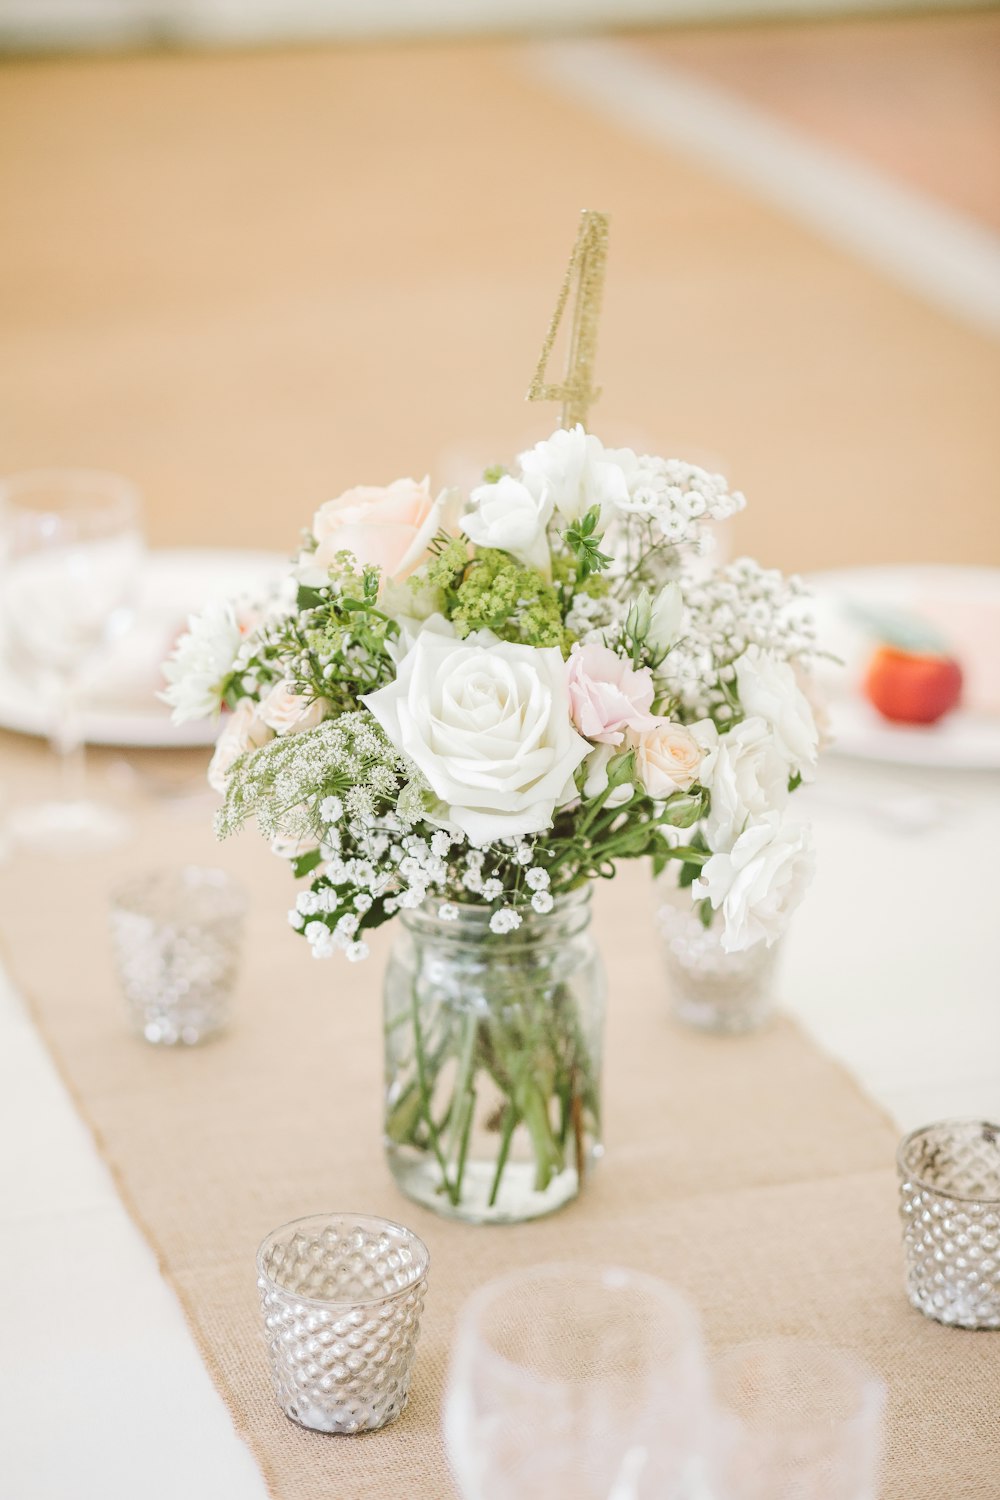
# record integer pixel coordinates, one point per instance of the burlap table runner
(752, 1173)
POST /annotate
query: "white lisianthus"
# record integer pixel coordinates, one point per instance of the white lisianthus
(201, 661)
(242, 730)
(759, 882)
(666, 617)
(667, 759)
(767, 687)
(290, 713)
(489, 727)
(745, 774)
(597, 777)
(578, 472)
(512, 515)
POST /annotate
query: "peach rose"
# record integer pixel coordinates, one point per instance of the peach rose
(290, 713)
(667, 759)
(242, 730)
(389, 528)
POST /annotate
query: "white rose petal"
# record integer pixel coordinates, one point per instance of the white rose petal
(512, 515)
(489, 727)
(759, 882)
(767, 687)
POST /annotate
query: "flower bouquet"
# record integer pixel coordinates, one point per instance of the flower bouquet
(463, 711)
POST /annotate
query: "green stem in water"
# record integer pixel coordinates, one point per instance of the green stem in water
(425, 1100)
(509, 1126)
(470, 1110)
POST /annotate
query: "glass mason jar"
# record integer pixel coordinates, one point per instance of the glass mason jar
(710, 988)
(492, 1059)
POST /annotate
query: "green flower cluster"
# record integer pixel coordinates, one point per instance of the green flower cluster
(493, 591)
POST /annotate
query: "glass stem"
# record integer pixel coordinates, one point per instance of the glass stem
(68, 742)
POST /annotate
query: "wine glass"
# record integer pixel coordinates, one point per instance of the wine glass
(796, 1421)
(577, 1380)
(70, 549)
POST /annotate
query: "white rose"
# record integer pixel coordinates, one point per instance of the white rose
(767, 686)
(512, 515)
(578, 473)
(666, 617)
(242, 730)
(746, 777)
(290, 713)
(489, 727)
(759, 882)
(667, 759)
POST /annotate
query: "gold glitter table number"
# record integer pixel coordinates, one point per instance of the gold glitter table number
(586, 272)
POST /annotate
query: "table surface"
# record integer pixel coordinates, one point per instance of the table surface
(890, 965)
(163, 317)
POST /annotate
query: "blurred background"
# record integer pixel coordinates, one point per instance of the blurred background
(252, 253)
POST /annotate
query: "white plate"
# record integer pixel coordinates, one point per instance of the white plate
(118, 701)
(963, 604)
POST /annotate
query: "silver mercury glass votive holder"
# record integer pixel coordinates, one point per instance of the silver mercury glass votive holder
(341, 1297)
(177, 938)
(949, 1178)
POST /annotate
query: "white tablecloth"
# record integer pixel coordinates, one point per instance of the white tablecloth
(891, 965)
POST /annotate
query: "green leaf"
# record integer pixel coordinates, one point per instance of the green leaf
(705, 913)
(689, 873)
(304, 863)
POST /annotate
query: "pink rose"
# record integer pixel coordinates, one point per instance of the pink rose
(607, 696)
(389, 528)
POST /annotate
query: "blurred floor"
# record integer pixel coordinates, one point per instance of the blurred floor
(918, 97)
(250, 280)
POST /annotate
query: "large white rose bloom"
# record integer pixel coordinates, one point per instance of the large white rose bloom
(767, 686)
(759, 882)
(578, 473)
(745, 774)
(489, 727)
(512, 515)
(202, 660)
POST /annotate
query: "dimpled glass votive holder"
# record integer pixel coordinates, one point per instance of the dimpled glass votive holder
(949, 1180)
(341, 1296)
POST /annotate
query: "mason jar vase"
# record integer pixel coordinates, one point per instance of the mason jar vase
(493, 1059)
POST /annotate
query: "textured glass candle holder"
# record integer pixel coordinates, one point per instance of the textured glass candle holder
(177, 937)
(949, 1180)
(341, 1296)
(709, 988)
